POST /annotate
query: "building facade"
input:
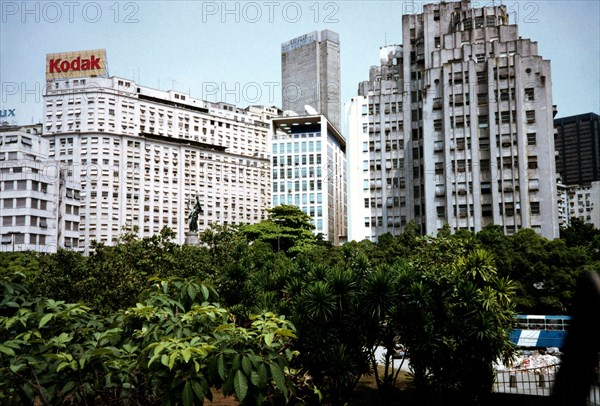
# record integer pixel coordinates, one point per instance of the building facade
(580, 201)
(577, 144)
(39, 205)
(310, 74)
(141, 156)
(460, 127)
(309, 171)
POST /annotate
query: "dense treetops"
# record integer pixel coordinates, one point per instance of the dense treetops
(271, 313)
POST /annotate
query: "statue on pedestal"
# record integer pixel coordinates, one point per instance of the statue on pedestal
(192, 236)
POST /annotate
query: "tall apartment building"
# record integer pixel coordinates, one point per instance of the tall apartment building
(39, 206)
(577, 143)
(584, 203)
(456, 128)
(310, 74)
(309, 171)
(141, 156)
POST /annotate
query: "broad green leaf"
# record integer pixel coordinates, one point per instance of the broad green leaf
(221, 367)
(255, 378)
(205, 293)
(198, 390)
(187, 354)
(191, 291)
(240, 383)
(262, 375)
(187, 396)
(7, 350)
(69, 386)
(278, 377)
(45, 319)
(172, 359)
(246, 365)
(269, 339)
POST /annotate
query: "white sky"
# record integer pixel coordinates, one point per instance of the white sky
(197, 46)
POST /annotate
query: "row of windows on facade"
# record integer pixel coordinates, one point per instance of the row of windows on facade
(297, 147)
(31, 203)
(91, 100)
(204, 166)
(284, 136)
(506, 209)
(455, 121)
(503, 140)
(295, 186)
(310, 159)
(33, 239)
(501, 75)
(296, 173)
(16, 139)
(31, 221)
(460, 99)
(24, 184)
(506, 184)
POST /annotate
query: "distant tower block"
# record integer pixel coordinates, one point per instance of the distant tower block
(310, 74)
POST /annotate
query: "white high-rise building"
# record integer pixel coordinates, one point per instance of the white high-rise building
(459, 121)
(142, 155)
(309, 171)
(39, 205)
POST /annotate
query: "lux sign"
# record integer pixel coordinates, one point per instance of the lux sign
(7, 113)
(76, 64)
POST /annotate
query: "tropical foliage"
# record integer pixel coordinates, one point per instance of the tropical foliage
(272, 314)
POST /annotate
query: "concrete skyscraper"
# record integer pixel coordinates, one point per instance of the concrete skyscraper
(310, 74)
(578, 146)
(454, 127)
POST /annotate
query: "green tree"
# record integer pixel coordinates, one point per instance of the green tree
(171, 348)
(288, 229)
(455, 318)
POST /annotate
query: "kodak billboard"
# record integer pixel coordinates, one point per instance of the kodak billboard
(76, 64)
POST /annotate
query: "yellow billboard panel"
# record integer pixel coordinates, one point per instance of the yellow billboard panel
(76, 64)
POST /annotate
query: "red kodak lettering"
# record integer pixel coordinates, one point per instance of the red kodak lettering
(59, 66)
(76, 63)
(54, 67)
(94, 62)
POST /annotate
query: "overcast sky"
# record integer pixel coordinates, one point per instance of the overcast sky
(230, 51)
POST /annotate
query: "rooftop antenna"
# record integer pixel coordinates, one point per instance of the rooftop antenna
(385, 38)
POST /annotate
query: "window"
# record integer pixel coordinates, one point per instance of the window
(535, 208)
(441, 212)
(437, 125)
(529, 94)
(532, 162)
(531, 139)
(530, 116)
(483, 121)
(481, 77)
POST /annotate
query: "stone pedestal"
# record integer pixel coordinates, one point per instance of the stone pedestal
(191, 238)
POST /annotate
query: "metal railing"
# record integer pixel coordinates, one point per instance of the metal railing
(536, 382)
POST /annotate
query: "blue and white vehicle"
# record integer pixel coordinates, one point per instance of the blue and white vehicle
(540, 331)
